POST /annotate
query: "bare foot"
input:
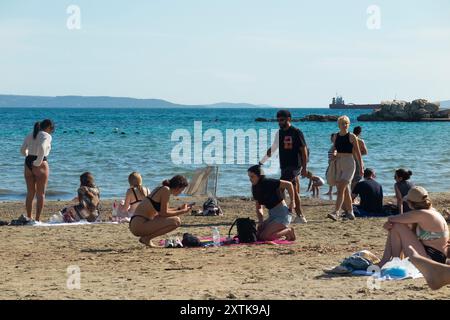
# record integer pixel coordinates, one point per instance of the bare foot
(432, 271)
(291, 235)
(147, 242)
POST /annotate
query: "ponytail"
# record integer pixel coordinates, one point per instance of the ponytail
(36, 129)
(39, 126)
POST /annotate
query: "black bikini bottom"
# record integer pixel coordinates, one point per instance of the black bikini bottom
(29, 161)
(435, 254)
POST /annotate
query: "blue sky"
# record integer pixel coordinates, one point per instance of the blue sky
(282, 53)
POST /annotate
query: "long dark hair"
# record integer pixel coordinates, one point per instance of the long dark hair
(176, 182)
(43, 125)
(87, 180)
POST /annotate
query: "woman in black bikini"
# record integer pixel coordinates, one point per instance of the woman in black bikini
(135, 194)
(36, 148)
(153, 217)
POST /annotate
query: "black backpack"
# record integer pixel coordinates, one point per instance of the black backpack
(246, 229)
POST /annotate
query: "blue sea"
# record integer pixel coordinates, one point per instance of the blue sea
(111, 143)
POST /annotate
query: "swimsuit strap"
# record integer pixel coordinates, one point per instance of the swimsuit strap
(135, 195)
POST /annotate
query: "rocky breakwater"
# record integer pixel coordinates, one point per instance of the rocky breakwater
(417, 110)
(311, 117)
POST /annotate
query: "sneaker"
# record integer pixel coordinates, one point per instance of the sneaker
(300, 220)
(178, 243)
(168, 243)
(349, 215)
(333, 216)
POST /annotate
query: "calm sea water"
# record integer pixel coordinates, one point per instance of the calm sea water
(85, 140)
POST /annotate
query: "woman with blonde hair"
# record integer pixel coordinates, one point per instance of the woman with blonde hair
(346, 150)
(135, 194)
(429, 236)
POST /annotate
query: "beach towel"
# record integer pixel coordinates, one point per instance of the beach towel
(224, 241)
(363, 263)
(66, 224)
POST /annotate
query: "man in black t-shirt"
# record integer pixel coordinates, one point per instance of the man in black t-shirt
(293, 156)
(371, 194)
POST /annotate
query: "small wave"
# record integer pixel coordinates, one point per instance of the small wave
(53, 193)
(7, 192)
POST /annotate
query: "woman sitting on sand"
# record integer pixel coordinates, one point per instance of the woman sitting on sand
(402, 186)
(88, 201)
(347, 150)
(269, 193)
(429, 235)
(135, 194)
(153, 217)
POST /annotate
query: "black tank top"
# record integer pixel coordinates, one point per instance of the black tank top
(343, 144)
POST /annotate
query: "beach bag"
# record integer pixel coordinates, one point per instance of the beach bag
(190, 240)
(331, 173)
(246, 229)
(211, 208)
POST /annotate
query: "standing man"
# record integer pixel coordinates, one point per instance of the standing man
(293, 156)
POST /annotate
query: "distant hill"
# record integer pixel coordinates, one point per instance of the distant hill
(18, 101)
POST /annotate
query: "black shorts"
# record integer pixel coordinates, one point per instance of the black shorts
(290, 173)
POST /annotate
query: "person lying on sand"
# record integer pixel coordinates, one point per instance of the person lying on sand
(269, 193)
(88, 201)
(135, 194)
(429, 236)
(436, 274)
(153, 217)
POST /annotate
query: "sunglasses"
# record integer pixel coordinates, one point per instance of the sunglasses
(281, 119)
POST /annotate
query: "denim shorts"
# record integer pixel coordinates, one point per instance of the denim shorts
(280, 214)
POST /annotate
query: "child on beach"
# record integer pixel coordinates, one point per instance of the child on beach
(88, 201)
(315, 182)
(331, 153)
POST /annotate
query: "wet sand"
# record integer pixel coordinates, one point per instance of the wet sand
(114, 265)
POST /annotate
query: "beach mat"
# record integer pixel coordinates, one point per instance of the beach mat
(378, 276)
(65, 224)
(208, 242)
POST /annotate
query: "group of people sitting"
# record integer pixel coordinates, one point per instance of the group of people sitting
(419, 231)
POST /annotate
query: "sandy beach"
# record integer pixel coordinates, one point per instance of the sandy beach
(114, 265)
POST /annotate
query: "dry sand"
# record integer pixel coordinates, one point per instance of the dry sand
(34, 260)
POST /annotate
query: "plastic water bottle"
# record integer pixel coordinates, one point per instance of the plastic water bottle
(216, 236)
